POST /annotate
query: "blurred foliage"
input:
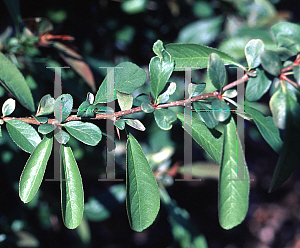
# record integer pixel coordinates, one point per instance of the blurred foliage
(106, 33)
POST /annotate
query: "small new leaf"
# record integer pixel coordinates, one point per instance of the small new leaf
(8, 107)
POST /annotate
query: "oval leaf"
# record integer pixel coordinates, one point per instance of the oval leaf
(221, 110)
(62, 137)
(46, 128)
(160, 69)
(63, 106)
(13, 80)
(127, 78)
(252, 51)
(216, 71)
(147, 107)
(278, 106)
(164, 118)
(196, 89)
(135, 124)
(271, 62)
(87, 133)
(72, 200)
(205, 114)
(257, 86)
(8, 107)
(46, 105)
(23, 135)
(125, 100)
(233, 191)
(287, 35)
(142, 195)
(34, 170)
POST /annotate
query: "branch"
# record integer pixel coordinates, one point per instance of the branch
(116, 115)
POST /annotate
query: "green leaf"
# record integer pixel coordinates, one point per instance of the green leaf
(271, 62)
(62, 137)
(147, 107)
(46, 128)
(125, 100)
(87, 133)
(41, 119)
(195, 56)
(34, 170)
(216, 71)
(63, 107)
(23, 135)
(205, 114)
(126, 80)
(287, 35)
(267, 128)
(230, 93)
(257, 86)
(135, 124)
(195, 89)
(296, 71)
(209, 29)
(278, 106)
(142, 195)
(164, 118)
(289, 157)
(221, 110)
(8, 107)
(160, 71)
(46, 105)
(86, 110)
(120, 124)
(212, 145)
(12, 79)
(233, 191)
(252, 51)
(158, 47)
(133, 6)
(72, 200)
(164, 97)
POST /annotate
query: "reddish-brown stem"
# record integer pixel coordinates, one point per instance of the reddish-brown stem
(116, 115)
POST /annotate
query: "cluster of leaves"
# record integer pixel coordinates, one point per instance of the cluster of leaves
(270, 68)
(214, 114)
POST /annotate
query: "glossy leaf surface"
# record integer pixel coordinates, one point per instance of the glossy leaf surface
(23, 135)
(233, 191)
(160, 69)
(87, 133)
(221, 110)
(257, 86)
(13, 80)
(8, 107)
(217, 72)
(287, 35)
(252, 51)
(127, 78)
(72, 200)
(205, 114)
(34, 170)
(142, 195)
(164, 118)
(63, 106)
(271, 62)
(195, 56)
(46, 105)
